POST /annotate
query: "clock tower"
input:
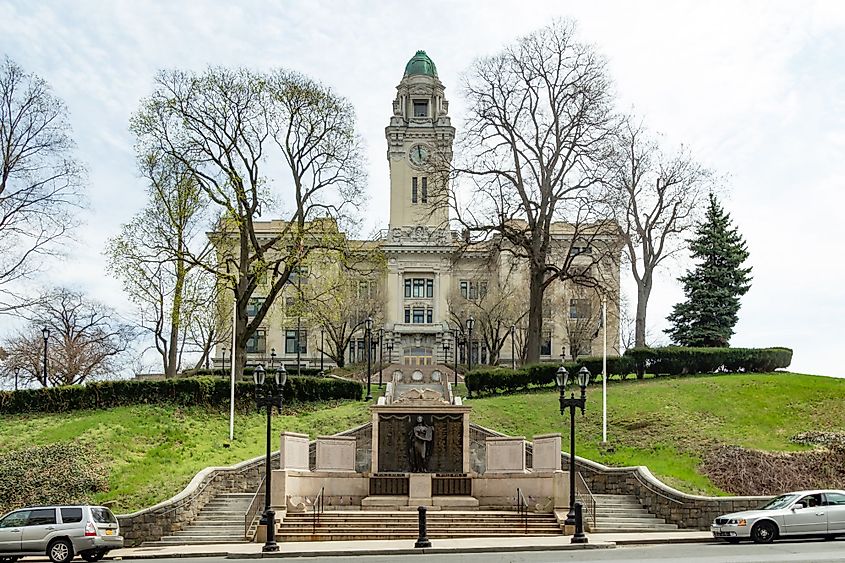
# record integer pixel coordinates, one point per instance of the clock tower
(419, 148)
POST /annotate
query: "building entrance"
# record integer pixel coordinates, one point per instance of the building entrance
(418, 356)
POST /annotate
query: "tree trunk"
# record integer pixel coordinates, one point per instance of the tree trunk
(175, 322)
(643, 293)
(535, 313)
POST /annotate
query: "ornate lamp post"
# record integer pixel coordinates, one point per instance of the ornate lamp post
(572, 403)
(446, 354)
(368, 325)
(17, 371)
(513, 347)
(45, 332)
(390, 351)
(470, 324)
(272, 358)
(380, 355)
(269, 395)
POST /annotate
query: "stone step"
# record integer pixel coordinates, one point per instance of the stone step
(552, 528)
(213, 519)
(655, 528)
(247, 496)
(171, 541)
(231, 513)
(226, 506)
(238, 532)
(381, 536)
(620, 511)
(635, 526)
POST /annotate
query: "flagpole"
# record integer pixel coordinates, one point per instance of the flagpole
(604, 373)
(232, 394)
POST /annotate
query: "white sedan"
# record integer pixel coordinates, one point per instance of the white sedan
(802, 513)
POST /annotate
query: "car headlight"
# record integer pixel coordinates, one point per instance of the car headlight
(738, 522)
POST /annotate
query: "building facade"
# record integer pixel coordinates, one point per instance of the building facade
(430, 282)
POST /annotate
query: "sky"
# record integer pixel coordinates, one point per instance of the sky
(756, 90)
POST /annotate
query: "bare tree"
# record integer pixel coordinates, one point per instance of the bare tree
(223, 125)
(152, 256)
(40, 182)
(658, 198)
(86, 339)
(496, 301)
(538, 128)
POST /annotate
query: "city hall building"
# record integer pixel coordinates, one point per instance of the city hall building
(430, 281)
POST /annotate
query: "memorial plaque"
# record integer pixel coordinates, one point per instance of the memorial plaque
(396, 442)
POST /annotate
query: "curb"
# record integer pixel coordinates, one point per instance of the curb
(424, 551)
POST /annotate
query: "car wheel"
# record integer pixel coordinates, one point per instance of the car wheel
(60, 551)
(92, 556)
(764, 532)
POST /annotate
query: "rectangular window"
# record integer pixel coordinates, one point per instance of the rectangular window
(429, 288)
(299, 276)
(465, 289)
(429, 316)
(575, 250)
(418, 316)
(407, 314)
(420, 108)
(291, 341)
(257, 343)
(473, 290)
(414, 189)
(579, 309)
(547, 308)
(407, 288)
(546, 344)
(366, 289)
(482, 289)
(71, 515)
(254, 305)
(424, 189)
(419, 287)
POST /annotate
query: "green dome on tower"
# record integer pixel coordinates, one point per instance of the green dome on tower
(421, 64)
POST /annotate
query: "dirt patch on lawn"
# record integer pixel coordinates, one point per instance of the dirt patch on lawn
(741, 471)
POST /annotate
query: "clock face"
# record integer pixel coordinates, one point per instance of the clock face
(418, 155)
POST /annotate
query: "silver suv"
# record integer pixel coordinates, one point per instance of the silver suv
(59, 531)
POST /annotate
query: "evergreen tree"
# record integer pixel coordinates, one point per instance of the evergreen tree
(714, 286)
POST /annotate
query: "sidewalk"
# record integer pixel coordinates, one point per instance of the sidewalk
(404, 547)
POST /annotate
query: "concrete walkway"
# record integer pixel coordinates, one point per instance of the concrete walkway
(401, 547)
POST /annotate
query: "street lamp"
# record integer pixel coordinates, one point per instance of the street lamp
(272, 358)
(269, 395)
(470, 324)
(446, 354)
(380, 355)
(572, 403)
(368, 324)
(46, 333)
(513, 347)
(390, 351)
(17, 371)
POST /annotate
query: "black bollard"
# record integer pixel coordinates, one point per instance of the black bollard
(579, 536)
(422, 540)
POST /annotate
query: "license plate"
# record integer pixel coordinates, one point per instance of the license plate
(109, 532)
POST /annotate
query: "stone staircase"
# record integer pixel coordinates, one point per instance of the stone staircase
(372, 525)
(219, 521)
(624, 513)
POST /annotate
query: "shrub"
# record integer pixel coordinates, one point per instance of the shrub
(202, 391)
(63, 473)
(679, 360)
(247, 372)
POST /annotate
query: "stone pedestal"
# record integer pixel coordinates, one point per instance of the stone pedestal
(505, 454)
(419, 489)
(547, 452)
(293, 451)
(336, 453)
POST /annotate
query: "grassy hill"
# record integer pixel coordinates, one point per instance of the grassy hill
(666, 424)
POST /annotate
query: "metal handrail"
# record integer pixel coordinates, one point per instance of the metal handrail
(317, 510)
(585, 495)
(522, 508)
(254, 506)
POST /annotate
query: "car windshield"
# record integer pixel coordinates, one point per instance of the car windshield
(103, 515)
(779, 502)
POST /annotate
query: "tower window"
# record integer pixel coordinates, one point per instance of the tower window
(420, 108)
(424, 189)
(414, 189)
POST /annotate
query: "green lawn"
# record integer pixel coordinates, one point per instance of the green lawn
(664, 423)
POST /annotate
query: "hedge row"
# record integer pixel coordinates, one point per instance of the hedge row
(671, 360)
(203, 391)
(678, 360)
(247, 371)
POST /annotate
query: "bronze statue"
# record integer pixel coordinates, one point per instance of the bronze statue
(421, 437)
